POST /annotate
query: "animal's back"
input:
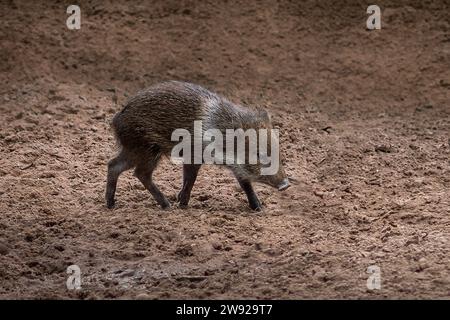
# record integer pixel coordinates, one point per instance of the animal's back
(149, 118)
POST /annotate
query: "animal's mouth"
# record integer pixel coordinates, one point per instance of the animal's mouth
(284, 185)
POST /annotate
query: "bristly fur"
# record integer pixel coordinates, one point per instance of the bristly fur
(144, 127)
(150, 117)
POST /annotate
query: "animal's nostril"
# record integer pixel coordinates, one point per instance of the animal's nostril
(283, 185)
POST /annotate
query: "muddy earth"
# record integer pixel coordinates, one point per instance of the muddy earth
(364, 118)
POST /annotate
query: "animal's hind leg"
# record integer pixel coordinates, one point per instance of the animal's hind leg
(115, 167)
(143, 172)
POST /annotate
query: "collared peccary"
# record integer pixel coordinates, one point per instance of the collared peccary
(144, 128)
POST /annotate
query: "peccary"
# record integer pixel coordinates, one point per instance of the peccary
(144, 127)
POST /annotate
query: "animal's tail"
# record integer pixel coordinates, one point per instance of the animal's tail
(116, 127)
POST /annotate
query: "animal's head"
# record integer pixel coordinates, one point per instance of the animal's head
(262, 160)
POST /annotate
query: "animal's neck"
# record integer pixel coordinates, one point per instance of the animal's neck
(233, 116)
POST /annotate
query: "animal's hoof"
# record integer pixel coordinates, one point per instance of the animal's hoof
(181, 199)
(165, 206)
(255, 205)
(110, 203)
(183, 205)
(257, 208)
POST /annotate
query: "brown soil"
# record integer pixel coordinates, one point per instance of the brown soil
(365, 124)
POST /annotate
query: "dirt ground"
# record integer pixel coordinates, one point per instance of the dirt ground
(365, 124)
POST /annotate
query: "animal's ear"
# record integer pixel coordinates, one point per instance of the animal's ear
(264, 115)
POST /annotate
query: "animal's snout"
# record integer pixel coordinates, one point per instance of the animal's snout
(284, 185)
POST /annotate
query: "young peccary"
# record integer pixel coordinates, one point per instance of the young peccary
(144, 128)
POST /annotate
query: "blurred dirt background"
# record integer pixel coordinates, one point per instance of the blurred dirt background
(365, 124)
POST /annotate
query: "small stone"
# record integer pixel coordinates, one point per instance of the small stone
(143, 296)
(319, 194)
(423, 264)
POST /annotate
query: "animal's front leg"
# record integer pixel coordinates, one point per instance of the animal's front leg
(190, 172)
(253, 200)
